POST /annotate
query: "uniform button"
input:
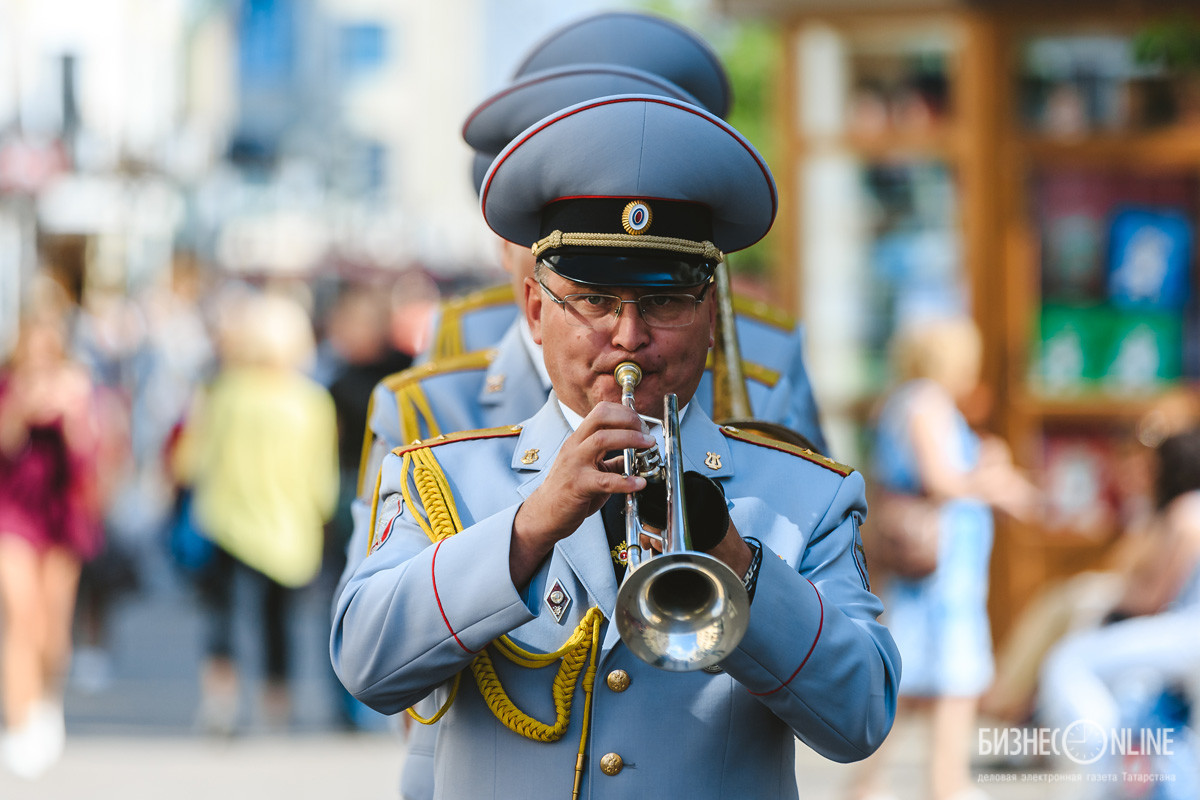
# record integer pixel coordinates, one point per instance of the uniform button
(611, 763)
(618, 680)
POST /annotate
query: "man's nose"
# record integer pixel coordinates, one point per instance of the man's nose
(630, 332)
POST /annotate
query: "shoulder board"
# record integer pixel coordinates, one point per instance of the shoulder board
(759, 373)
(479, 359)
(803, 452)
(482, 298)
(763, 312)
(460, 436)
(754, 372)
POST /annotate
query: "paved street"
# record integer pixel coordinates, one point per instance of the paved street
(132, 736)
(303, 766)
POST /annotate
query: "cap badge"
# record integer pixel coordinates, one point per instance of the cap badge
(635, 219)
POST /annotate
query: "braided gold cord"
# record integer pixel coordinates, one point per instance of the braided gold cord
(411, 401)
(449, 339)
(441, 712)
(441, 520)
(374, 511)
(559, 239)
(430, 482)
(368, 441)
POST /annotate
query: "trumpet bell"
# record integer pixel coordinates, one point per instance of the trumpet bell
(682, 611)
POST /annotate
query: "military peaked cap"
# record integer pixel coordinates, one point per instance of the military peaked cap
(633, 190)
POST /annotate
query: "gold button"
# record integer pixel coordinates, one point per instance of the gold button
(618, 680)
(611, 763)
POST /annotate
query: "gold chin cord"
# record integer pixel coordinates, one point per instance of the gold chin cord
(681, 610)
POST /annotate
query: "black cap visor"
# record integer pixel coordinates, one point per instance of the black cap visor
(650, 269)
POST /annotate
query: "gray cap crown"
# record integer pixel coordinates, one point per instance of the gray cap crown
(635, 147)
(642, 41)
(503, 115)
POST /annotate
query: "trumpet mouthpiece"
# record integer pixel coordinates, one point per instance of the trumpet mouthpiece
(628, 375)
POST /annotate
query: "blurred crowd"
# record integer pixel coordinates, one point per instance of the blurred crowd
(214, 420)
(220, 420)
(1101, 659)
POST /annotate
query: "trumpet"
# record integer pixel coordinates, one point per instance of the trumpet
(681, 610)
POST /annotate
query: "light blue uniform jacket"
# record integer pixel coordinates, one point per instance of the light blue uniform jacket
(815, 663)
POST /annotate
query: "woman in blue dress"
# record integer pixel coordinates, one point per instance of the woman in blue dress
(924, 446)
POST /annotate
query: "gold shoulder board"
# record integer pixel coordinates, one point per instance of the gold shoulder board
(753, 372)
(460, 436)
(480, 359)
(482, 298)
(765, 441)
(763, 312)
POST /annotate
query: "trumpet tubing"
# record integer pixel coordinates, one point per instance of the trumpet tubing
(628, 375)
(681, 610)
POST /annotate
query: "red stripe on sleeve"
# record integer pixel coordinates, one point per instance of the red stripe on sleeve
(438, 598)
(808, 655)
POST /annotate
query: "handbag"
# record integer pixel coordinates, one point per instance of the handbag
(901, 533)
(191, 550)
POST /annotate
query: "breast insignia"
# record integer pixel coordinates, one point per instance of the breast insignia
(558, 601)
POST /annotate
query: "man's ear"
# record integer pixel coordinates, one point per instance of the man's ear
(533, 308)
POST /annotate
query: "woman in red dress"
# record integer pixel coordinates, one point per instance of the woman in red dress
(49, 525)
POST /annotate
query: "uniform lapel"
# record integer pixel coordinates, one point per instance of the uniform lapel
(512, 389)
(584, 552)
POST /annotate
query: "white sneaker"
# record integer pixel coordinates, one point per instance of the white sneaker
(29, 751)
(51, 718)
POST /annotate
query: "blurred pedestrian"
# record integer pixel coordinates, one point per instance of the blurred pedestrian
(1083, 600)
(260, 450)
(924, 447)
(49, 525)
(359, 332)
(1121, 674)
(359, 335)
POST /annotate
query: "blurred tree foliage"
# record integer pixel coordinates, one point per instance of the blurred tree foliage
(752, 56)
(752, 52)
(1173, 44)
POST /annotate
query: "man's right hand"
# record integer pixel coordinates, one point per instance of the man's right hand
(577, 484)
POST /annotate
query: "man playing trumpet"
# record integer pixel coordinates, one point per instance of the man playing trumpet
(493, 576)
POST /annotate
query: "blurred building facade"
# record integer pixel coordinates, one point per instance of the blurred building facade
(260, 135)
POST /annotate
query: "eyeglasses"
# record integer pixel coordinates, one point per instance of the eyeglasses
(588, 310)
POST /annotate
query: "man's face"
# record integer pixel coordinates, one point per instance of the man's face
(581, 361)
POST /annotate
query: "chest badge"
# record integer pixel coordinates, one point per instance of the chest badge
(558, 601)
(712, 460)
(495, 383)
(531, 455)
